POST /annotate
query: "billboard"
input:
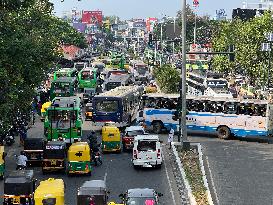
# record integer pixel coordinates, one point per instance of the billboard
(139, 25)
(173, 31)
(92, 17)
(150, 23)
(75, 16)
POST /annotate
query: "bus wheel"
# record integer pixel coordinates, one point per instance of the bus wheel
(157, 127)
(223, 132)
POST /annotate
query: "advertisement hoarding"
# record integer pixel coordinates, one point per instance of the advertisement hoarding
(92, 17)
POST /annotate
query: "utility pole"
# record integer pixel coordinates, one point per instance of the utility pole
(183, 126)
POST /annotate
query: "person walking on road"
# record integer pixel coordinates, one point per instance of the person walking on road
(170, 138)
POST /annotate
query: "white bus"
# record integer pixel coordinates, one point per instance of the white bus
(222, 116)
(209, 85)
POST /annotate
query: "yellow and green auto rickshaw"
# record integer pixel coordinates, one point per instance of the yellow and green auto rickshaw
(43, 110)
(50, 191)
(79, 159)
(88, 111)
(111, 139)
(2, 162)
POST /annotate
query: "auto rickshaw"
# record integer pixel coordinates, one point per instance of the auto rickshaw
(111, 139)
(54, 157)
(43, 110)
(88, 111)
(79, 159)
(19, 187)
(50, 191)
(2, 162)
(92, 192)
(34, 148)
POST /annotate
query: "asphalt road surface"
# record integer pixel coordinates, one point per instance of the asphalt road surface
(240, 172)
(120, 174)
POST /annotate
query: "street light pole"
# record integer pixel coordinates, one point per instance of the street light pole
(183, 126)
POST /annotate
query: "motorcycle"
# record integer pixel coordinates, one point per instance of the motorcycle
(97, 158)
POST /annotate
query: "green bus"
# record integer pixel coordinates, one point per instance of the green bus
(65, 72)
(87, 78)
(63, 87)
(63, 120)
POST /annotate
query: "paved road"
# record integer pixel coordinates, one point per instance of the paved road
(120, 174)
(242, 171)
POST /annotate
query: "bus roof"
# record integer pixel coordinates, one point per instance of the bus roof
(89, 69)
(64, 80)
(65, 70)
(120, 91)
(66, 102)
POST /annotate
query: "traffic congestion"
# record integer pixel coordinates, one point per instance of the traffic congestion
(99, 112)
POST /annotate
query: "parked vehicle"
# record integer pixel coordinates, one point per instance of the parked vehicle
(93, 192)
(45, 106)
(79, 159)
(129, 136)
(2, 161)
(54, 158)
(140, 196)
(50, 192)
(111, 138)
(34, 148)
(19, 187)
(147, 151)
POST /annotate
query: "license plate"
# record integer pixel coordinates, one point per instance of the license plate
(16, 200)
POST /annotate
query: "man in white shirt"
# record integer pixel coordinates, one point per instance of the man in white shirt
(170, 138)
(21, 161)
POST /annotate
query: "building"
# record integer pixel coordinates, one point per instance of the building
(262, 5)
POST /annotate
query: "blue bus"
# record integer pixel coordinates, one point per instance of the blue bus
(119, 105)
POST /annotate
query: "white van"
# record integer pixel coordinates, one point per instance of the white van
(147, 151)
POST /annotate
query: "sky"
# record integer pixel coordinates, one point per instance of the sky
(127, 9)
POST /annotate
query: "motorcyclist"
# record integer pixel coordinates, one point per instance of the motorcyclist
(96, 156)
(21, 161)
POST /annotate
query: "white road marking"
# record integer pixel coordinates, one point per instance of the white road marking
(212, 182)
(168, 178)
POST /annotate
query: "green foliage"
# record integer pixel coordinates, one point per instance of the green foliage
(247, 38)
(29, 41)
(167, 78)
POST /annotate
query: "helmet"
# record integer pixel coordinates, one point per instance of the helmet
(22, 153)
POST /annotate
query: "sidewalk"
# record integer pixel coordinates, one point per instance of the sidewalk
(36, 130)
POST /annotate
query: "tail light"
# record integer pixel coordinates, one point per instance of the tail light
(158, 154)
(135, 154)
(86, 167)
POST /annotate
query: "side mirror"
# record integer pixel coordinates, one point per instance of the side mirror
(159, 194)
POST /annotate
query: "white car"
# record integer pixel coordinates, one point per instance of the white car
(147, 151)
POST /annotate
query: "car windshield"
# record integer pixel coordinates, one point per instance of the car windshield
(135, 132)
(107, 106)
(141, 201)
(146, 146)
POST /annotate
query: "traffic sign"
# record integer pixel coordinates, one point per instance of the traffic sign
(266, 47)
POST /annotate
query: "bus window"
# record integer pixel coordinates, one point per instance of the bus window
(107, 106)
(230, 108)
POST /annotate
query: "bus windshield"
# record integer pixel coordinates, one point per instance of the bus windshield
(62, 119)
(61, 87)
(107, 106)
(87, 75)
(62, 74)
(142, 70)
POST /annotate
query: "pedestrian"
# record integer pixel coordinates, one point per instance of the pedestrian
(170, 138)
(39, 107)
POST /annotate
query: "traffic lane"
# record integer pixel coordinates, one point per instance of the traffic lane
(122, 176)
(241, 171)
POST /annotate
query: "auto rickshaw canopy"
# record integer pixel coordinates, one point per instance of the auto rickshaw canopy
(79, 151)
(110, 133)
(2, 150)
(20, 183)
(45, 106)
(92, 191)
(50, 190)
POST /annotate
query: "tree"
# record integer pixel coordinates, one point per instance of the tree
(167, 78)
(29, 42)
(247, 38)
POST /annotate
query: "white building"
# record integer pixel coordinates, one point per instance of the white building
(262, 5)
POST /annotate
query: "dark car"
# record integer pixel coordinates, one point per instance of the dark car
(140, 196)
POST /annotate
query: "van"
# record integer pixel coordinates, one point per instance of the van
(147, 151)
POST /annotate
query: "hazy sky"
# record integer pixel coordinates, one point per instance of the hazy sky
(127, 9)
